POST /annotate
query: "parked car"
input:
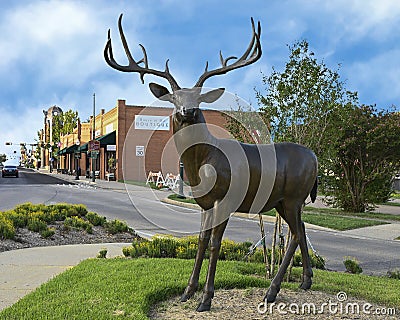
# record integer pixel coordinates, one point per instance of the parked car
(9, 170)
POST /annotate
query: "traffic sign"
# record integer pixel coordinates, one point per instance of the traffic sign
(139, 151)
(94, 154)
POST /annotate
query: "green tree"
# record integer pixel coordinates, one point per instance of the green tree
(3, 158)
(299, 101)
(366, 157)
(64, 123)
(357, 147)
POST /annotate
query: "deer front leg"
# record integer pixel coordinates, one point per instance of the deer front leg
(275, 286)
(215, 245)
(204, 238)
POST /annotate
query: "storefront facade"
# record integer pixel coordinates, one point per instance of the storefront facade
(134, 140)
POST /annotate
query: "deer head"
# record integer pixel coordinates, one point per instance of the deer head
(186, 100)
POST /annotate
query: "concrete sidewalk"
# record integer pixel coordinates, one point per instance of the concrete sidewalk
(23, 270)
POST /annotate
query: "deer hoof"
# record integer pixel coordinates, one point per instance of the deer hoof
(271, 295)
(203, 307)
(306, 284)
(189, 292)
(186, 296)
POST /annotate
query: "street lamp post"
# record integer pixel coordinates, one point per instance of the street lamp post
(77, 157)
(93, 135)
(42, 150)
(53, 113)
(181, 194)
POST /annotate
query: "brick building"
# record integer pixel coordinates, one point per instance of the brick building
(135, 139)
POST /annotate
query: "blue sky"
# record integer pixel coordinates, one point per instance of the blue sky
(51, 52)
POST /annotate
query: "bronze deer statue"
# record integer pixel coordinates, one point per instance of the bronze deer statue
(228, 176)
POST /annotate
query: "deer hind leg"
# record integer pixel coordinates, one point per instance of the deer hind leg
(215, 245)
(204, 238)
(275, 286)
(307, 269)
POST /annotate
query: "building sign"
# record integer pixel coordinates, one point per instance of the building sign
(94, 145)
(111, 147)
(143, 122)
(139, 151)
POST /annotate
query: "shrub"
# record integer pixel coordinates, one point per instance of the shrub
(138, 249)
(39, 215)
(316, 260)
(116, 226)
(80, 209)
(56, 215)
(18, 219)
(186, 248)
(352, 265)
(47, 233)
(36, 225)
(95, 219)
(70, 210)
(102, 253)
(127, 251)
(78, 223)
(7, 230)
(163, 247)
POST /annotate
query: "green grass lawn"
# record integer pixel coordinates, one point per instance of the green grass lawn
(364, 215)
(330, 219)
(186, 200)
(127, 288)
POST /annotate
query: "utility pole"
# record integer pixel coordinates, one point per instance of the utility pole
(93, 135)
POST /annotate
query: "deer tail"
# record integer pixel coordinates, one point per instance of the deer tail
(313, 193)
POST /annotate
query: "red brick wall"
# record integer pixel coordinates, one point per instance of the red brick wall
(160, 151)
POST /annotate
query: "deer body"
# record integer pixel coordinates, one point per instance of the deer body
(290, 157)
(228, 176)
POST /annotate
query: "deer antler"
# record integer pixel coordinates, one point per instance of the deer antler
(251, 55)
(134, 66)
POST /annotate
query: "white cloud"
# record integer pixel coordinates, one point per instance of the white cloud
(18, 127)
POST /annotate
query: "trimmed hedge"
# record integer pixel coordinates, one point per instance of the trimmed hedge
(167, 246)
(37, 217)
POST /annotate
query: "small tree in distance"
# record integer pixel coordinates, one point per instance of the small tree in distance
(366, 158)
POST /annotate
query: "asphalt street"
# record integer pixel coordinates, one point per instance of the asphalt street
(143, 211)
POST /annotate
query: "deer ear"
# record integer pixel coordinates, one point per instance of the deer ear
(212, 95)
(160, 92)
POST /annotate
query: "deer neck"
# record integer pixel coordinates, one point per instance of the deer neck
(194, 144)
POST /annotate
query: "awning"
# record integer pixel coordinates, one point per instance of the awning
(84, 147)
(71, 149)
(109, 138)
(61, 152)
